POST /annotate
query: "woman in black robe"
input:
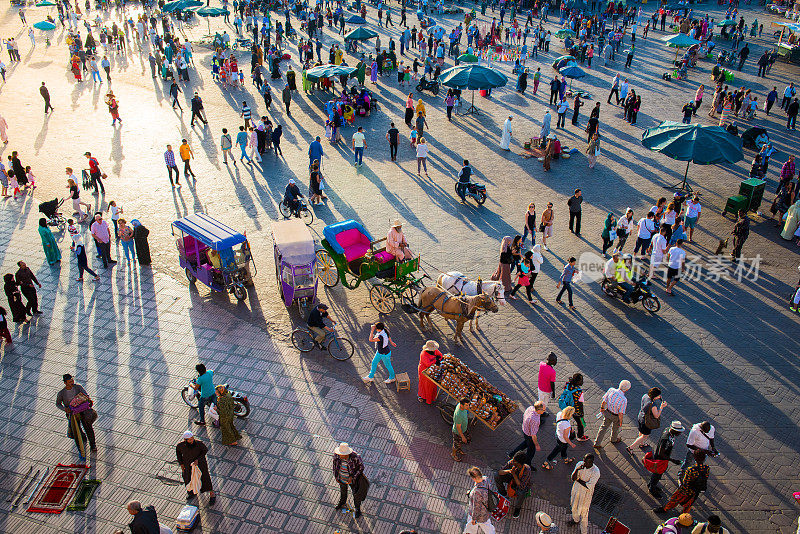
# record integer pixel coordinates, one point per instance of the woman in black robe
(140, 234)
(522, 82)
(18, 311)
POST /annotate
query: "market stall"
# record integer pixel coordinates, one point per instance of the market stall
(487, 404)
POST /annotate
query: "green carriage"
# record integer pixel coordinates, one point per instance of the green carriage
(349, 254)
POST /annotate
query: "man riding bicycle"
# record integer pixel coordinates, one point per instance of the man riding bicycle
(316, 323)
(464, 180)
(292, 196)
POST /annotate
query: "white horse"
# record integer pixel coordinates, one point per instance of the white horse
(458, 284)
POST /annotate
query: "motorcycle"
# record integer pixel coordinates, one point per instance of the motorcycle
(476, 191)
(641, 293)
(241, 406)
(428, 85)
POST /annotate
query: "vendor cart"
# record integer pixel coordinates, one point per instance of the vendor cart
(487, 404)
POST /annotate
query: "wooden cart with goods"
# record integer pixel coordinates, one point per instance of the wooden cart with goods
(487, 404)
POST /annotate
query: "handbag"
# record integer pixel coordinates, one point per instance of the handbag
(653, 465)
(650, 421)
(524, 280)
(612, 235)
(80, 403)
(541, 227)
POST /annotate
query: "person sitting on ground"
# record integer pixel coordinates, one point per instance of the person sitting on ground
(396, 243)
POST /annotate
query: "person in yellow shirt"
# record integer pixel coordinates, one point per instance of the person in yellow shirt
(623, 275)
(186, 154)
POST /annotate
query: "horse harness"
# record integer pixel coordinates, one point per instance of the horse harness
(464, 281)
(464, 310)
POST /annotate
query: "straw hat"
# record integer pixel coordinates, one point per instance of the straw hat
(343, 449)
(543, 520)
(431, 345)
(397, 223)
(685, 520)
(677, 426)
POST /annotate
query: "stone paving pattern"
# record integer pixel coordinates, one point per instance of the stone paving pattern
(721, 351)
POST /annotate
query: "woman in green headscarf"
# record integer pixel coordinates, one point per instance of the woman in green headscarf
(51, 251)
(610, 226)
(230, 436)
(361, 72)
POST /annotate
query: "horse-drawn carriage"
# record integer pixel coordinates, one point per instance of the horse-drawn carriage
(350, 254)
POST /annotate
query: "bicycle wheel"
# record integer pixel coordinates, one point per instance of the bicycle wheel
(307, 215)
(326, 269)
(185, 394)
(340, 348)
(382, 298)
(284, 209)
(302, 340)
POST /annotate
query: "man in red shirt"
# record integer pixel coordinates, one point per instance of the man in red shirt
(94, 172)
(547, 380)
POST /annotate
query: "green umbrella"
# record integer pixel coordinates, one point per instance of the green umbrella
(45, 25)
(726, 22)
(329, 71)
(680, 40)
(564, 32)
(559, 59)
(181, 5)
(468, 58)
(211, 12)
(698, 143)
(472, 77)
(45, 3)
(360, 34)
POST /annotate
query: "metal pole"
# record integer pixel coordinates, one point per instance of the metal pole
(686, 174)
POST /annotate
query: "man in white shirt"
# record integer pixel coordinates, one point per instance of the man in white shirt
(584, 478)
(645, 230)
(102, 236)
(700, 437)
(658, 247)
(676, 263)
(692, 215)
(359, 144)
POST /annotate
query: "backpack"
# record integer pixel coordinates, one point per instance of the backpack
(566, 398)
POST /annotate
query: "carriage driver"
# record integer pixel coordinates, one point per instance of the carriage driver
(396, 243)
(316, 322)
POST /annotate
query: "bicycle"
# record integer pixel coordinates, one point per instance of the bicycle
(340, 348)
(303, 212)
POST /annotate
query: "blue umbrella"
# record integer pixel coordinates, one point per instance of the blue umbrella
(355, 19)
(698, 143)
(472, 76)
(572, 71)
(45, 25)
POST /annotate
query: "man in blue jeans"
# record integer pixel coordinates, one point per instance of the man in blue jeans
(383, 353)
(207, 396)
(359, 144)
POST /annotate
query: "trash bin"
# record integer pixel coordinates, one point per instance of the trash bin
(753, 190)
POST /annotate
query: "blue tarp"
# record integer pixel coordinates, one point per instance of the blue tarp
(209, 231)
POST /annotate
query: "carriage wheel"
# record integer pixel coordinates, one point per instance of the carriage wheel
(382, 298)
(411, 296)
(190, 276)
(326, 269)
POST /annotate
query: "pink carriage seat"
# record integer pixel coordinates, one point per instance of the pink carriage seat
(384, 257)
(354, 243)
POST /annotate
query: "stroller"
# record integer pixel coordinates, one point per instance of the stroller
(50, 210)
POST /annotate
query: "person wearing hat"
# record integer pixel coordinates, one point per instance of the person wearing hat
(348, 470)
(396, 243)
(712, 526)
(545, 524)
(191, 451)
(316, 322)
(613, 407)
(292, 196)
(584, 479)
(430, 355)
(676, 525)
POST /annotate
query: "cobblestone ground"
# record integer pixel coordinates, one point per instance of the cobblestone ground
(721, 350)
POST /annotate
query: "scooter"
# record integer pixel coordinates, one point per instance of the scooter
(428, 85)
(476, 191)
(241, 406)
(641, 293)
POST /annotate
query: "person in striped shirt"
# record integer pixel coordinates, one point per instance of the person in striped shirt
(613, 407)
(530, 426)
(246, 114)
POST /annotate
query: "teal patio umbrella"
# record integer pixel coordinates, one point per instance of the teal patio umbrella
(45, 25)
(45, 3)
(181, 5)
(361, 34)
(211, 12)
(329, 71)
(563, 61)
(472, 77)
(565, 32)
(726, 22)
(572, 71)
(355, 19)
(679, 40)
(468, 58)
(693, 143)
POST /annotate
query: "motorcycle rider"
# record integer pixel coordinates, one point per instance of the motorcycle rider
(464, 180)
(292, 196)
(619, 273)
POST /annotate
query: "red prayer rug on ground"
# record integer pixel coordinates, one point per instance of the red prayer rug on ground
(59, 489)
